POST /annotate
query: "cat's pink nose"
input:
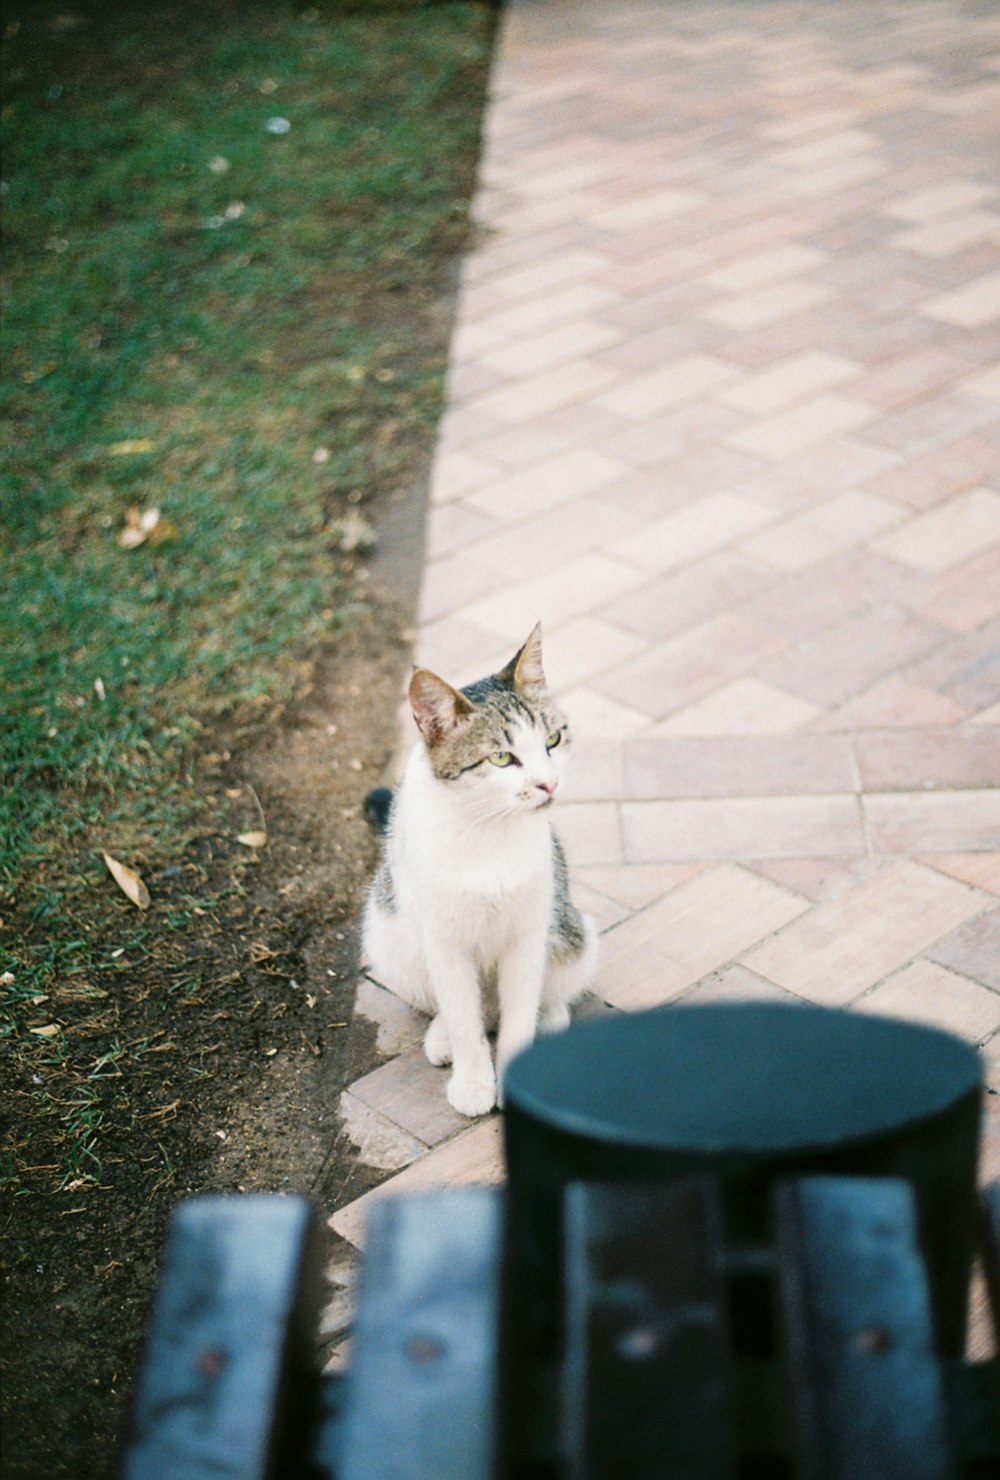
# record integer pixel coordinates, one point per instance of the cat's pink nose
(549, 786)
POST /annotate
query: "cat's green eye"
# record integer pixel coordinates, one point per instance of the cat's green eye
(553, 740)
(501, 758)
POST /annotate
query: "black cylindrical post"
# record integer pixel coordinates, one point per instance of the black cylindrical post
(750, 1094)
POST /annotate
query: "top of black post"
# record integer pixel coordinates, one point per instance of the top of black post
(744, 1078)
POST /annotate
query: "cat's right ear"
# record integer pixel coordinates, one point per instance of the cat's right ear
(437, 708)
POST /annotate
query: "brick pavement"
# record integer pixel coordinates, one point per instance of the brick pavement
(724, 412)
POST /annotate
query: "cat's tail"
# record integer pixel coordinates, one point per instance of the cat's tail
(378, 805)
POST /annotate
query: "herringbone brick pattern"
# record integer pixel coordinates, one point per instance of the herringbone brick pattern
(724, 412)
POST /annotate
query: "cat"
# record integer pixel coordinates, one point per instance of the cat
(468, 917)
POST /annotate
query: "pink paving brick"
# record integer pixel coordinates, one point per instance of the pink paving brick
(559, 594)
(826, 529)
(927, 993)
(695, 929)
(790, 380)
(849, 943)
(931, 203)
(793, 431)
(459, 473)
(848, 657)
(967, 668)
(942, 822)
(744, 828)
(592, 713)
(963, 463)
(973, 950)
(535, 315)
(912, 376)
(982, 870)
(595, 772)
(745, 707)
(672, 434)
(450, 526)
(678, 671)
(526, 548)
(963, 597)
(766, 306)
(733, 984)
(735, 766)
(577, 380)
(837, 465)
(818, 878)
(411, 1093)
(974, 303)
(473, 1158)
(590, 832)
(527, 356)
(756, 270)
(925, 760)
(945, 537)
(551, 274)
(700, 527)
(640, 396)
(647, 349)
(454, 582)
(536, 437)
(544, 484)
(636, 885)
(925, 425)
(724, 410)
(667, 604)
(894, 703)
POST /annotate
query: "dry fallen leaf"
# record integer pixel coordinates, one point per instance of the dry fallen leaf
(128, 882)
(149, 525)
(131, 447)
(351, 533)
(49, 1031)
(252, 839)
(256, 837)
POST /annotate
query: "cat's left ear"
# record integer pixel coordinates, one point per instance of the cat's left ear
(525, 670)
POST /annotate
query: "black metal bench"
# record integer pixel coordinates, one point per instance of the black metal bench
(691, 1273)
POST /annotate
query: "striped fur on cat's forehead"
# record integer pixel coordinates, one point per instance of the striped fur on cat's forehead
(461, 727)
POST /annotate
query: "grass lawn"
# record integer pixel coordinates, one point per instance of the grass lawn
(221, 222)
(230, 237)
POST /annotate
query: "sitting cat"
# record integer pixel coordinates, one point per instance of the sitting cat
(468, 917)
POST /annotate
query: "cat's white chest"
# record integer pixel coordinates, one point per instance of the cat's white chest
(498, 861)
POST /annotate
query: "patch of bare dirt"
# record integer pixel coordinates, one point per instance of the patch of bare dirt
(247, 1018)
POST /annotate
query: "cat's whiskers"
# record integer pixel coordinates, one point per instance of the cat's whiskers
(486, 808)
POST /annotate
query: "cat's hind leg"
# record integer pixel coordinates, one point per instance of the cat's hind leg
(570, 972)
(393, 954)
(437, 1043)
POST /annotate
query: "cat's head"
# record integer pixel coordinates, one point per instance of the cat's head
(501, 740)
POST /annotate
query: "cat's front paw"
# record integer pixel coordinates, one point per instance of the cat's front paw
(437, 1044)
(472, 1094)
